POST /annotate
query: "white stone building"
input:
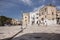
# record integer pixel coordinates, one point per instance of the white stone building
(44, 16)
(34, 17)
(48, 15)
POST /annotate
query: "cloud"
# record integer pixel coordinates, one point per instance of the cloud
(28, 2)
(58, 7)
(53, 1)
(7, 4)
(35, 9)
(42, 0)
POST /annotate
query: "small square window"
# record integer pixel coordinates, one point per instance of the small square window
(25, 17)
(42, 13)
(42, 19)
(33, 18)
(37, 14)
(52, 13)
(52, 18)
(36, 17)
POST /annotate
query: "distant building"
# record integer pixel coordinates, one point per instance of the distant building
(26, 18)
(15, 22)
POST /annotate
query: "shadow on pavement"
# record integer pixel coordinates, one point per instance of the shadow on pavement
(37, 36)
(12, 36)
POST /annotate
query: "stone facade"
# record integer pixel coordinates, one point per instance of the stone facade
(26, 19)
(58, 16)
(14, 22)
(34, 17)
(48, 15)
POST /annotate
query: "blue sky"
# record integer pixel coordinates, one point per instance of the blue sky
(15, 8)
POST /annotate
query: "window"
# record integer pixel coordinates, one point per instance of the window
(33, 18)
(33, 22)
(42, 13)
(37, 14)
(45, 16)
(25, 17)
(52, 18)
(52, 13)
(45, 9)
(56, 14)
(42, 19)
(37, 22)
(36, 17)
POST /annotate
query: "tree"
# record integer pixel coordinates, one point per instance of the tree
(4, 20)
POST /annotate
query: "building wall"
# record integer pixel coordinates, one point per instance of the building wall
(48, 14)
(14, 21)
(26, 19)
(44, 16)
(58, 13)
(34, 17)
(51, 15)
(58, 16)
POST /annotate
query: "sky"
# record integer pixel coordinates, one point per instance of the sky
(15, 8)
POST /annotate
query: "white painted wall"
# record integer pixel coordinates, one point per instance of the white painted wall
(33, 15)
(50, 22)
